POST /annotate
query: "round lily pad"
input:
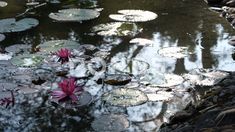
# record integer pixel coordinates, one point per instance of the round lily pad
(55, 45)
(171, 80)
(145, 112)
(117, 29)
(27, 60)
(125, 97)
(3, 3)
(117, 79)
(74, 15)
(11, 25)
(2, 37)
(174, 52)
(134, 16)
(205, 77)
(142, 42)
(18, 48)
(110, 123)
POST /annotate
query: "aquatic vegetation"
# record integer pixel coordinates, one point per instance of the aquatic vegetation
(18, 48)
(27, 60)
(8, 100)
(68, 90)
(142, 42)
(115, 123)
(64, 55)
(55, 45)
(3, 3)
(2, 37)
(11, 25)
(174, 52)
(5, 56)
(134, 16)
(117, 29)
(117, 79)
(75, 15)
(125, 97)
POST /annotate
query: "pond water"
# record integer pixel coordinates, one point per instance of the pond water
(180, 23)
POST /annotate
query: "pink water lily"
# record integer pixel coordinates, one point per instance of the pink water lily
(69, 91)
(63, 55)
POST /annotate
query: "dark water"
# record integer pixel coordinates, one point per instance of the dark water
(180, 23)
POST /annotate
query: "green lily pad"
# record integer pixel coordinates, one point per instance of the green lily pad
(3, 3)
(110, 123)
(142, 42)
(27, 60)
(11, 25)
(117, 79)
(174, 52)
(18, 48)
(125, 97)
(117, 29)
(75, 15)
(134, 16)
(55, 45)
(2, 37)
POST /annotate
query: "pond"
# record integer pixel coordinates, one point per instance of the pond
(134, 74)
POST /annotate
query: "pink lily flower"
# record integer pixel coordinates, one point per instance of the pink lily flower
(63, 55)
(69, 90)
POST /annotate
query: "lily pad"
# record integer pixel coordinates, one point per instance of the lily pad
(27, 60)
(3, 3)
(7, 86)
(142, 42)
(110, 123)
(5, 56)
(55, 45)
(125, 97)
(205, 77)
(11, 25)
(174, 52)
(75, 15)
(171, 80)
(160, 96)
(144, 112)
(18, 48)
(134, 16)
(2, 37)
(117, 79)
(117, 29)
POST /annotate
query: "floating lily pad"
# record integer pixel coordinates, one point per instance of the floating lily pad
(27, 60)
(11, 25)
(160, 96)
(3, 3)
(174, 52)
(2, 37)
(135, 67)
(75, 15)
(142, 42)
(7, 86)
(144, 112)
(205, 77)
(5, 56)
(55, 45)
(110, 123)
(117, 29)
(125, 97)
(134, 16)
(83, 99)
(18, 48)
(171, 80)
(117, 79)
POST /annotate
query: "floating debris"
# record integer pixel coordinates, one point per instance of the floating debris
(3, 3)
(117, 79)
(108, 123)
(27, 60)
(142, 42)
(174, 52)
(144, 112)
(55, 45)
(134, 16)
(11, 25)
(205, 77)
(125, 97)
(74, 15)
(117, 29)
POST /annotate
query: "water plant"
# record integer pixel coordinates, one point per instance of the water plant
(68, 91)
(63, 55)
